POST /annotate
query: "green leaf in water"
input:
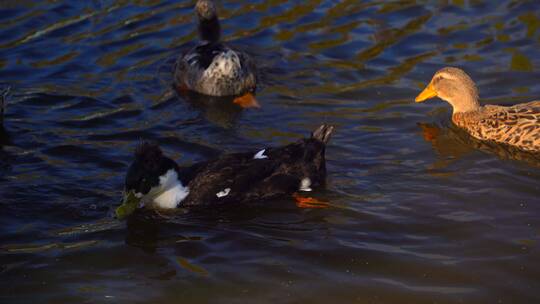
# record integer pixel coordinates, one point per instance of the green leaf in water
(131, 202)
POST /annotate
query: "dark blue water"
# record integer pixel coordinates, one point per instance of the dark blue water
(420, 213)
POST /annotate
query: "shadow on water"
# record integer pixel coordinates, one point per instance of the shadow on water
(4, 136)
(217, 110)
(5, 157)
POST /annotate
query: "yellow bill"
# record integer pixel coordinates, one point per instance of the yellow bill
(427, 93)
(129, 205)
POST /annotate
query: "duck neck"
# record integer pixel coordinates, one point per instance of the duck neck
(466, 112)
(209, 29)
(465, 104)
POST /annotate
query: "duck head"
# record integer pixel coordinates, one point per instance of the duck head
(152, 181)
(209, 28)
(206, 9)
(454, 86)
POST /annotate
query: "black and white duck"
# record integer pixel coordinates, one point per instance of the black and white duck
(213, 68)
(156, 181)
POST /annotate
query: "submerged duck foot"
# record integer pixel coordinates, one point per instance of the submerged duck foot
(309, 202)
(247, 101)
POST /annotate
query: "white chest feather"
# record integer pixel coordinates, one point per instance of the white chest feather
(170, 192)
(171, 198)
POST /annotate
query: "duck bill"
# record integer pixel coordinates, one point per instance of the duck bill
(427, 93)
(247, 101)
(129, 204)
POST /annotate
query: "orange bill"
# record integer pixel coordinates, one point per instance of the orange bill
(309, 202)
(247, 101)
(427, 93)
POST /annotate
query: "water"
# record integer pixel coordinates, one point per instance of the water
(420, 213)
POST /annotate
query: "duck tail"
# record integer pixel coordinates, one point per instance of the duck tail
(323, 133)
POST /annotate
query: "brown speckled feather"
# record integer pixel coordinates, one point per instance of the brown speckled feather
(517, 125)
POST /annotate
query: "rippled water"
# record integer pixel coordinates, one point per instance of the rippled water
(420, 213)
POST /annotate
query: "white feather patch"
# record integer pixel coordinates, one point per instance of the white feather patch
(260, 155)
(226, 64)
(170, 191)
(305, 184)
(224, 192)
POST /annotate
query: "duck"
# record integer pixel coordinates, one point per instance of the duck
(155, 181)
(212, 68)
(516, 126)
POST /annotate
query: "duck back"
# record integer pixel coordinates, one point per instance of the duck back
(260, 175)
(215, 69)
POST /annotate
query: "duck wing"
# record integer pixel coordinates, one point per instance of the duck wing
(256, 176)
(517, 125)
(232, 178)
(217, 70)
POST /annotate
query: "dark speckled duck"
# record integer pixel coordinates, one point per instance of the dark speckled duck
(156, 181)
(212, 68)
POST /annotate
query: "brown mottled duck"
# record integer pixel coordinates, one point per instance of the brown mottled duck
(517, 125)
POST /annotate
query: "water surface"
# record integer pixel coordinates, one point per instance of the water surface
(420, 213)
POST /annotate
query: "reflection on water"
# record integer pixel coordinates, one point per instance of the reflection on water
(418, 211)
(220, 111)
(452, 143)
